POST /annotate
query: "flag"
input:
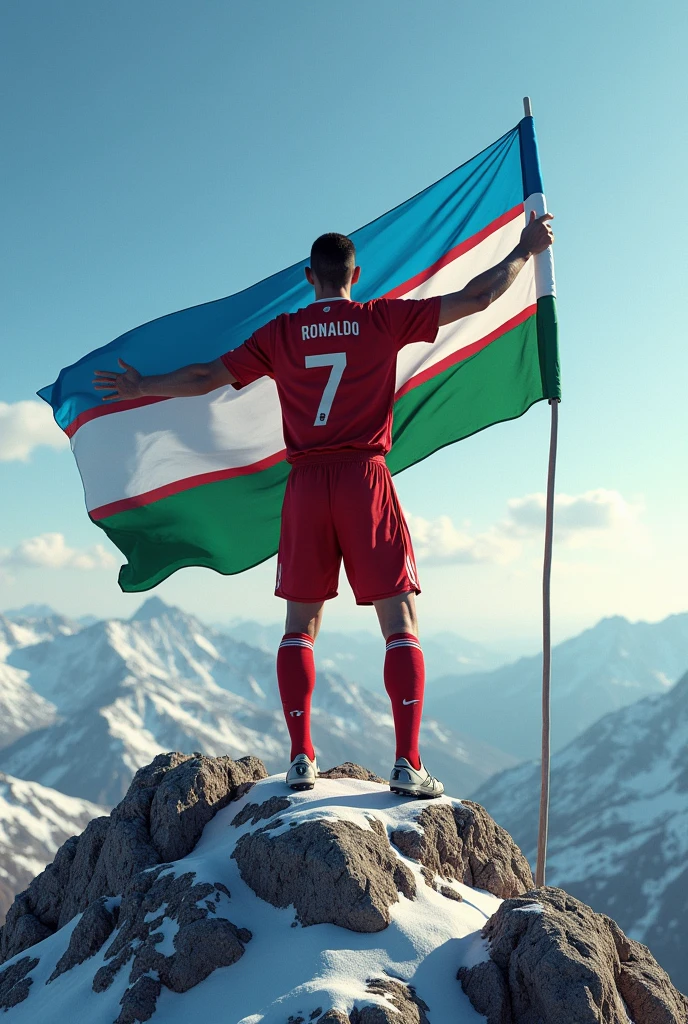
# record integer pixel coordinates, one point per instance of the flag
(199, 481)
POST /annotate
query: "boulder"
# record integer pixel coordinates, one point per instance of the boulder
(462, 842)
(161, 817)
(173, 930)
(349, 770)
(331, 871)
(552, 958)
(15, 983)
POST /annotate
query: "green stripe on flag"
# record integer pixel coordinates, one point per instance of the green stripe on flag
(232, 525)
(499, 383)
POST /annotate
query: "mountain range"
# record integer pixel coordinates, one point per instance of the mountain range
(163, 681)
(618, 836)
(35, 821)
(605, 668)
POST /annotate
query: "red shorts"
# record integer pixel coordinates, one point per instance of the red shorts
(338, 506)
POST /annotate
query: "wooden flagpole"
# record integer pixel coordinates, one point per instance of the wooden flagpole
(543, 826)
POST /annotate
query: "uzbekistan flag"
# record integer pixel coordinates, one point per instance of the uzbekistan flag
(199, 481)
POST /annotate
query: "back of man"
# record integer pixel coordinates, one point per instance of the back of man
(334, 363)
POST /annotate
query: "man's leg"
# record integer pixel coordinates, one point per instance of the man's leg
(296, 673)
(404, 671)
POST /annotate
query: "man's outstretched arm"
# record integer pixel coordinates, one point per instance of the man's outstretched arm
(536, 236)
(197, 379)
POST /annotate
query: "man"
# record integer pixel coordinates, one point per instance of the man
(334, 364)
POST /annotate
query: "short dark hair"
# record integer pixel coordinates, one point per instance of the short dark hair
(333, 258)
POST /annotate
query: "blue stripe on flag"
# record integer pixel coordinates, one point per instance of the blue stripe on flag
(530, 158)
(392, 249)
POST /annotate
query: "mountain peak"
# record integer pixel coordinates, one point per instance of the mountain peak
(153, 608)
(31, 611)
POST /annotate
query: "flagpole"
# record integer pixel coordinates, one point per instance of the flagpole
(543, 826)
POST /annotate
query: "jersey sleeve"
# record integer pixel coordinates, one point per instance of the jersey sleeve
(410, 320)
(253, 359)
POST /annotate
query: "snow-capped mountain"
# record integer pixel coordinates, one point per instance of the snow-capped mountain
(618, 822)
(163, 681)
(22, 710)
(35, 822)
(605, 668)
(359, 655)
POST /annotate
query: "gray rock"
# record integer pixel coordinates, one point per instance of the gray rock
(257, 812)
(95, 926)
(349, 770)
(645, 987)
(189, 797)
(463, 842)
(566, 963)
(406, 1007)
(331, 871)
(139, 1001)
(161, 817)
(203, 939)
(14, 983)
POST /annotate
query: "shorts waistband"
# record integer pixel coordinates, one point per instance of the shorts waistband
(328, 458)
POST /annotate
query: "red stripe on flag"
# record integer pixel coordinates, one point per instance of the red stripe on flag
(177, 486)
(103, 410)
(453, 254)
(458, 357)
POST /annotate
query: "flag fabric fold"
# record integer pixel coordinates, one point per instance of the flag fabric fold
(199, 481)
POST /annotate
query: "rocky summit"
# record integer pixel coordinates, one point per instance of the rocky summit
(212, 892)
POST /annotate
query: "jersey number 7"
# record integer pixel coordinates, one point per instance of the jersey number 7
(337, 360)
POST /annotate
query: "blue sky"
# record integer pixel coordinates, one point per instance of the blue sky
(159, 155)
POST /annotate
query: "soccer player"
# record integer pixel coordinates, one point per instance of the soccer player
(334, 364)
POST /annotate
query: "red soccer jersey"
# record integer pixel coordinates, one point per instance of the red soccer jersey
(334, 364)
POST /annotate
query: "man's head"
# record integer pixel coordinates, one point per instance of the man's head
(333, 263)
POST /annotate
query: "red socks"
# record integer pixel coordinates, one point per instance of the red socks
(404, 681)
(405, 685)
(296, 680)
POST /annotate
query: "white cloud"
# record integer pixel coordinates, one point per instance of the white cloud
(438, 541)
(26, 425)
(579, 519)
(50, 551)
(594, 518)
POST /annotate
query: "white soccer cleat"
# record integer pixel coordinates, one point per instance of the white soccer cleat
(409, 781)
(302, 772)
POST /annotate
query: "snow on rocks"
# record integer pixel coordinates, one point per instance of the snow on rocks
(161, 818)
(309, 908)
(461, 841)
(561, 961)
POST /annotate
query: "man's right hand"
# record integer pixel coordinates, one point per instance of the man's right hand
(123, 387)
(537, 235)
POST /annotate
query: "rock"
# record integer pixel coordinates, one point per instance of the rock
(95, 926)
(140, 1000)
(188, 918)
(14, 983)
(161, 817)
(189, 797)
(645, 987)
(553, 958)
(462, 841)
(331, 871)
(255, 812)
(349, 770)
(405, 1008)
(451, 894)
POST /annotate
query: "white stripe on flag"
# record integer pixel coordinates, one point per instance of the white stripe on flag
(135, 451)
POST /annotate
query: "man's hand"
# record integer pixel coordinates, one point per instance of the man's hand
(536, 236)
(188, 381)
(123, 387)
(484, 289)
